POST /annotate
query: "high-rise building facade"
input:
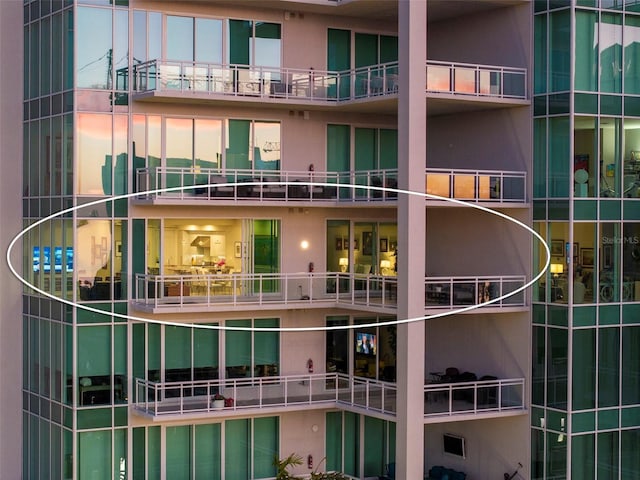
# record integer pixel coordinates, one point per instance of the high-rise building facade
(586, 361)
(266, 147)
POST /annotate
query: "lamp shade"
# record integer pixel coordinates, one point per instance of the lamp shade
(385, 264)
(557, 268)
(343, 262)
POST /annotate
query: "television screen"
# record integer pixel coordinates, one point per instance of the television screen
(57, 259)
(46, 259)
(36, 259)
(69, 266)
(366, 343)
(453, 445)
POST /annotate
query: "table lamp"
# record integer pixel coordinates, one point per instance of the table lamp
(385, 265)
(343, 262)
(556, 269)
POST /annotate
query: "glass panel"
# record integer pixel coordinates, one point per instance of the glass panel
(266, 355)
(366, 47)
(208, 40)
(631, 168)
(610, 48)
(609, 263)
(583, 451)
(94, 47)
(632, 54)
(585, 168)
(267, 46)
(179, 38)
(388, 149)
(339, 59)
(178, 448)
(94, 450)
(560, 50)
(556, 456)
(630, 365)
(207, 451)
(629, 448)
(237, 141)
(351, 444)
(238, 350)
(139, 36)
(558, 154)
(586, 59)
(608, 367)
(584, 373)
(237, 449)
(374, 447)
(179, 149)
(265, 442)
(266, 150)
(557, 368)
(94, 365)
(333, 441)
(538, 374)
(608, 455)
(337, 346)
(610, 156)
(94, 151)
(238, 41)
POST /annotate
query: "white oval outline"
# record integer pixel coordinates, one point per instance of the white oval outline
(278, 329)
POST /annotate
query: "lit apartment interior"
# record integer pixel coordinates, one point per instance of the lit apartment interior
(224, 122)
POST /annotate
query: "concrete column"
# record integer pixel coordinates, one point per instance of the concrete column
(10, 224)
(412, 32)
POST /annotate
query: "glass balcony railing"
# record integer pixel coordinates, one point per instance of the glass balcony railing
(244, 394)
(283, 83)
(477, 185)
(449, 399)
(323, 85)
(476, 80)
(204, 291)
(237, 289)
(203, 184)
(456, 292)
(324, 390)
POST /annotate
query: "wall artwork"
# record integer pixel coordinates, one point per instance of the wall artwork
(586, 257)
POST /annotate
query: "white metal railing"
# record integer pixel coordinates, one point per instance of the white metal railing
(476, 80)
(208, 289)
(323, 85)
(270, 82)
(445, 399)
(171, 398)
(266, 185)
(450, 292)
(204, 289)
(441, 399)
(477, 185)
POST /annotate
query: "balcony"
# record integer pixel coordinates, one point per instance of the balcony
(446, 401)
(247, 396)
(460, 292)
(477, 185)
(219, 292)
(376, 293)
(207, 185)
(290, 86)
(195, 186)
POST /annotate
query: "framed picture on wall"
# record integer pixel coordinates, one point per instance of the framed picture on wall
(118, 248)
(237, 249)
(586, 257)
(356, 244)
(557, 248)
(339, 243)
(384, 244)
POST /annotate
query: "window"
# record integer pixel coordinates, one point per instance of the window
(252, 353)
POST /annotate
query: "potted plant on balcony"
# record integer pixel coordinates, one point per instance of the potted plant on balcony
(218, 402)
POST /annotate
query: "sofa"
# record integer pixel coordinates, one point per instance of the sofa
(442, 473)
